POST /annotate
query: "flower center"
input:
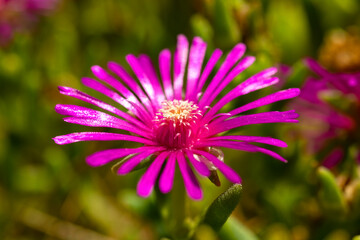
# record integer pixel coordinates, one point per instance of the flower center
(176, 124)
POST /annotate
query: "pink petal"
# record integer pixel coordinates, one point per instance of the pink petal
(89, 117)
(133, 85)
(132, 103)
(101, 88)
(238, 91)
(200, 167)
(165, 68)
(87, 98)
(278, 96)
(143, 78)
(191, 183)
(240, 146)
(228, 172)
(208, 68)
(245, 63)
(275, 97)
(99, 136)
(147, 181)
(239, 68)
(129, 165)
(257, 118)
(254, 83)
(334, 157)
(103, 157)
(100, 73)
(196, 57)
(257, 139)
(234, 55)
(167, 177)
(180, 59)
(316, 67)
(149, 70)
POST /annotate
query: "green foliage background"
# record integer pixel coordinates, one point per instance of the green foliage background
(48, 192)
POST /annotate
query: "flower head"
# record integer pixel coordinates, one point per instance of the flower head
(177, 121)
(330, 103)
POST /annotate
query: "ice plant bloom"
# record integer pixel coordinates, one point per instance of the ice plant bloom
(18, 15)
(329, 104)
(175, 117)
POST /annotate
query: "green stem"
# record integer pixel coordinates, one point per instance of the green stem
(178, 211)
(173, 210)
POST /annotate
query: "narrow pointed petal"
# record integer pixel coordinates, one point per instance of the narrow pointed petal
(200, 167)
(208, 69)
(245, 63)
(167, 177)
(99, 136)
(89, 117)
(103, 157)
(240, 146)
(333, 158)
(118, 124)
(275, 97)
(191, 183)
(239, 68)
(316, 67)
(143, 78)
(257, 139)
(196, 57)
(129, 165)
(257, 118)
(228, 172)
(82, 112)
(140, 111)
(96, 102)
(234, 55)
(133, 85)
(250, 85)
(165, 69)
(180, 59)
(147, 181)
(100, 73)
(149, 70)
(101, 88)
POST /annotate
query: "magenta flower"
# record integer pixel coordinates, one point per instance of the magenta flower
(19, 15)
(40, 6)
(6, 33)
(331, 126)
(176, 119)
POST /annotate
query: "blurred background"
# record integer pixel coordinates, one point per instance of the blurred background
(49, 192)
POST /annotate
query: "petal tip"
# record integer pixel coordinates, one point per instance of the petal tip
(96, 68)
(111, 65)
(181, 37)
(57, 140)
(241, 46)
(58, 108)
(196, 196)
(144, 192)
(296, 91)
(198, 40)
(237, 180)
(62, 88)
(92, 162)
(122, 171)
(165, 187)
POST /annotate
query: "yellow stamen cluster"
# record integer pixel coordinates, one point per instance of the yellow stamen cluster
(178, 110)
(176, 123)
